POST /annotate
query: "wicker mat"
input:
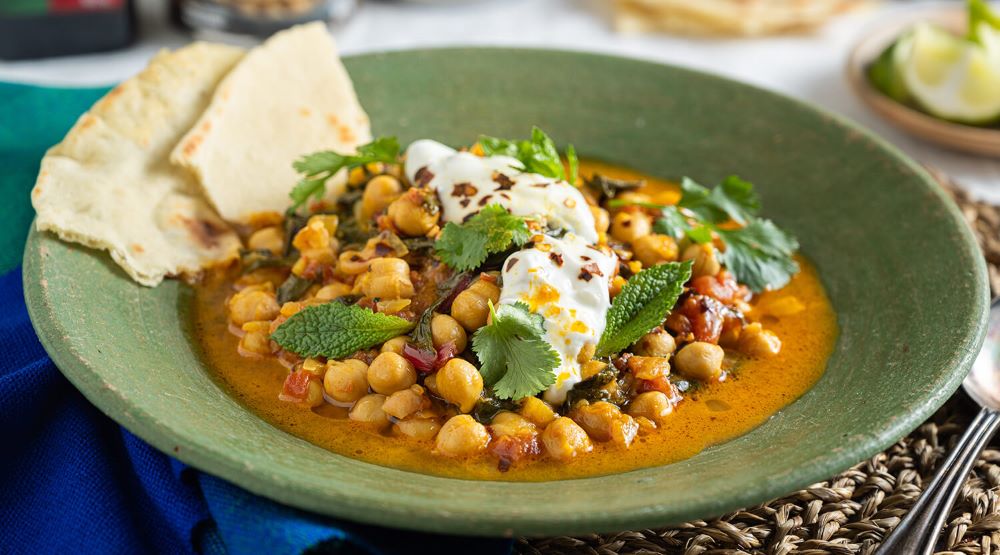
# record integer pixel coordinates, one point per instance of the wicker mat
(851, 512)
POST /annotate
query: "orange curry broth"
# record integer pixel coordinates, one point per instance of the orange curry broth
(712, 414)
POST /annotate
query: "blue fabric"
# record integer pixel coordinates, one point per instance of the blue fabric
(72, 480)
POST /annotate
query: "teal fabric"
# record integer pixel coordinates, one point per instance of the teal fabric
(31, 120)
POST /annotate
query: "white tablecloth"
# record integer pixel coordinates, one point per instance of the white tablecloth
(809, 67)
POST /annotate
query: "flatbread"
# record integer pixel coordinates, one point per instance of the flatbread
(109, 184)
(288, 97)
(726, 17)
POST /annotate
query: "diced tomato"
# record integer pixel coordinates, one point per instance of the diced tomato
(658, 384)
(722, 287)
(510, 449)
(704, 315)
(296, 386)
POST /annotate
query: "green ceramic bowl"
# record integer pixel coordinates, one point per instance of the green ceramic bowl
(904, 274)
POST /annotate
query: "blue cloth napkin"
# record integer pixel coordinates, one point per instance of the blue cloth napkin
(71, 479)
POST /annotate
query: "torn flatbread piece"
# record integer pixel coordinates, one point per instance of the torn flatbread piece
(726, 17)
(110, 185)
(288, 97)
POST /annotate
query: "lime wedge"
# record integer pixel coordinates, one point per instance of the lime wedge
(951, 77)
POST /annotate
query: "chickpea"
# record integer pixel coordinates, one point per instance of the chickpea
(256, 340)
(405, 402)
(430, 382)
(605, 422)
(648, 368)
(654, 249)
(329, 221)
(395, 345)
(315, 243)
(459, 383)
(419, 428)
(254, 304)
(387, 278)
(592, 368)
(332, 291)
(564, 439)
(706, 260)
(303, 389)
(267, 239)
(755, 341)
(414, 213)
(657, 343)
(346, 381)
(507, 423)
(462, 436)
(368, 409)
(352, 263)
(700, 361)
(446, 329)
(629, 226)
(314, 367)
(379, 193)
(653, 405)
(470, 307)
(617, 283)
(390, 372)
(537, 411)
(601, 219)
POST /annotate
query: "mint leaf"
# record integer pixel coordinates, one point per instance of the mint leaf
(318, 167)
(537, 154)
(336, 330)
(643, 304)
(760, 255)
(466, 246)
(516, 360)
(733, 199)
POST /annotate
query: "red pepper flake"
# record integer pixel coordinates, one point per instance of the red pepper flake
(505, 183)
(588, 271)
(511, 262)
(423, 177)
(556, 258)
(464, 189)
(485, 200)
(465, 202)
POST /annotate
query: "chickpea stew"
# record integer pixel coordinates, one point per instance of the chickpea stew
(494, 313)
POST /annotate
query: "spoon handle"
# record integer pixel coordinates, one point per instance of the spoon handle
(917, 533)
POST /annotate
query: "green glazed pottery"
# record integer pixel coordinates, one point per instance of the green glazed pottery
(903, 271)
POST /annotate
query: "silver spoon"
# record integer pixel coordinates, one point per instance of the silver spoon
(917, 533)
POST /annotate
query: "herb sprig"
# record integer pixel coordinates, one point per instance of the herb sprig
(318, 167)
(759, 253)
(644, 302)
(516, 360)
(493, 230)
(537, 155)
(336, 330)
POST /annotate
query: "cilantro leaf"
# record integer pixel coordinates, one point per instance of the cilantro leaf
(733, 199)
(537, 154)
(574, 165)
(671, 222)
(466, 246)
(336, 330)
(760, 254)
(643, 304)
(515, 358)
(318, 167)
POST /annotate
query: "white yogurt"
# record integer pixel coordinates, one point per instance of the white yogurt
(566, 281)
(466, 183)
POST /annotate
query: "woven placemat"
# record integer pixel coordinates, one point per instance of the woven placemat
(853, 511)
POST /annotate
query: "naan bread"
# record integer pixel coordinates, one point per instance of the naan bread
(110, 185)
(289, 97)
(726, 17)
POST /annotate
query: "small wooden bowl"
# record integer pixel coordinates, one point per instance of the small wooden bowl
(977, 140)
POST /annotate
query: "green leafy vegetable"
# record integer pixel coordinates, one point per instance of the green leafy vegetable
(335, 330)
(610, 187)
(733, 199)
(643, 304)
(516, 359)
(537, 154)
(574, 165)
(446, 292)
(293, 288)
(318, 167)
(466, 246)
(760, 254)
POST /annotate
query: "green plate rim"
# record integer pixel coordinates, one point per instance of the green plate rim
(145, 425)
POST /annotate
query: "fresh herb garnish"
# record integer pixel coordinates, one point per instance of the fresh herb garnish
(335, 330)
(516, 359)
(537, 154)
(318, 167)
(759, 253)
(293, 288)
(466, 246)
(644, 302)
